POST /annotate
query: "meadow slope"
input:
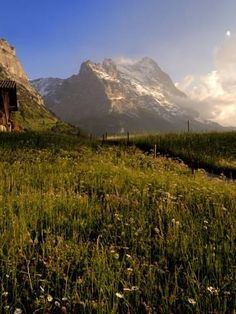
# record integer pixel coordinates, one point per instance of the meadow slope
(87, 228)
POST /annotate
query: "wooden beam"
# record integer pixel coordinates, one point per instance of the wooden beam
(6, 104)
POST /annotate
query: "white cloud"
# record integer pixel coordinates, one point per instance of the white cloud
(123, 60)
(214, 94)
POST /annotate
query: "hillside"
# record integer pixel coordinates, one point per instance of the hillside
(117, 97)
(32, 114)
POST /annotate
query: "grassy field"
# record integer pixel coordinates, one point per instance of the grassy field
(213, 151)
(87, 228)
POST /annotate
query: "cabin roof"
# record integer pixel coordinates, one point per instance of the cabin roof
(10, 87)
(7, 84)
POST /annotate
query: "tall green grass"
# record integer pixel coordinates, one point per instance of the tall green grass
(91, 229)
(212, 151)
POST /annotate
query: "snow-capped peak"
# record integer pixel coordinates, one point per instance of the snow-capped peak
(109, 96)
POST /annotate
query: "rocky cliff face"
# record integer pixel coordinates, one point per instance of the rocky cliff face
(118, 97)
(14, 70)
(32, 114)
(9, 61)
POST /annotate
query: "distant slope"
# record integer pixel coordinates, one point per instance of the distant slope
(118, 97)
(213, 151)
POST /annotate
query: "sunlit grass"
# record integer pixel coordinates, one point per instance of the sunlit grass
(86, 228)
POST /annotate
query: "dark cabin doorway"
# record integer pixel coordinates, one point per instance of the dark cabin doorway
(8, 104)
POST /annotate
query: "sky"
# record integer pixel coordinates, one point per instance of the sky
(189, 39)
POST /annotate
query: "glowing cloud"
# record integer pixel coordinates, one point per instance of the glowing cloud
(214, 94)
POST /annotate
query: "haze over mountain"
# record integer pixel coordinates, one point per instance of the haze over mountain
(116, 97)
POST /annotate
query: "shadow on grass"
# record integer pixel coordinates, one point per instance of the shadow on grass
(39, 141)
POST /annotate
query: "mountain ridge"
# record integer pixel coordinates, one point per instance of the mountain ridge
(116, 97)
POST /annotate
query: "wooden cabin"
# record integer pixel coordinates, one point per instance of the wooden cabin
(8, 104)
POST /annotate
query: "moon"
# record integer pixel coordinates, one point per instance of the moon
(228, 34)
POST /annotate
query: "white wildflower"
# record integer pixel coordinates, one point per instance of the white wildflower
(64, 299)
(191, 301)
(175, 222)
(57, 304)
(119, 295)
(127, 289)
(49, 298)
(213, 290)
(226, 293)
(116, 255)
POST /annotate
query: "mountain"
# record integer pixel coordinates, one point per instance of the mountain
(32, 114)
(116, 97)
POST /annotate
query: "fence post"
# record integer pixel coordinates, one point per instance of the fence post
(155, 151)
(127, 137)
(188, 126)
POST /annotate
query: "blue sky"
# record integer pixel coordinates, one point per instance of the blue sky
(53, 37)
